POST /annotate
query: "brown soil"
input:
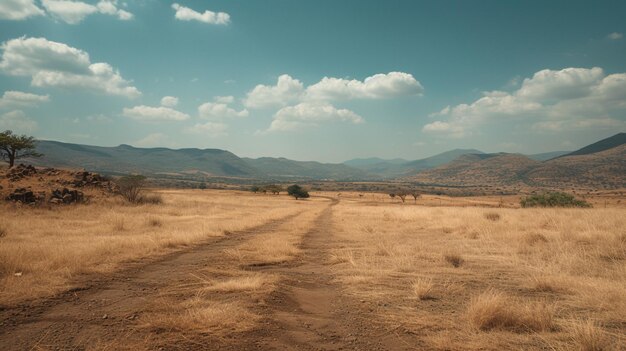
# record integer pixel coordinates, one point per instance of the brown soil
(307, 310)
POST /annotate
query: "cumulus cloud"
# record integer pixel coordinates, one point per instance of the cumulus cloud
(378, 86)
(308, 114)
(212, 129)
(18, 10)
(74, 12)
(17, 121)
(289, 90)
(18, 98)
(552, 99)
(53, 64)
(169, 101)
(154, 114)
(186, 14)
(286, 91)
(615, 36)
(219, 110)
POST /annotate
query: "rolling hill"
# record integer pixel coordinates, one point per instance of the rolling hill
(199, 163)
(601, 165)
(478, 169)
(399, 167)
(152, 161)
(604, 144)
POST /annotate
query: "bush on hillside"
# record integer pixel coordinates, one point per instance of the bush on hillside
(553, 199)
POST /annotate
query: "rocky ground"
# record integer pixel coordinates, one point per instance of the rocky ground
(29, 185)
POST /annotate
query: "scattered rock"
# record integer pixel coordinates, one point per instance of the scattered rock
(66, 196)
(23, 195)
(20, 171)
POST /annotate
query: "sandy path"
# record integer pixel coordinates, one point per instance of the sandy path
(307, 311)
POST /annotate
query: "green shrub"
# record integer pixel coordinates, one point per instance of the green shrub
(553, 199)
(297, 191)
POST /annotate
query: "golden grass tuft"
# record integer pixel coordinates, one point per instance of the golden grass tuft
(532, 239)
(492, 216)
(154, 222)
(200, 316)
(588, 336)
(246, 283)
(493, 310)
(454, 259)
(422, 288)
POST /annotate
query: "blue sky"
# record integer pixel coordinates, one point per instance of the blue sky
(315, 80)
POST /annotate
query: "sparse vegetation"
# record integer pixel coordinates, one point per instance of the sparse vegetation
(454, 259)
(492, 216)
(422, 288)
(494, 310)
(130, 187)
(553, 199)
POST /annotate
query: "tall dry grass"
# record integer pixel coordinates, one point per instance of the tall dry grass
(43, 251)
(480, 273)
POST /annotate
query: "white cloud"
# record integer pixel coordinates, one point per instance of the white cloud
(219, 110)
(109, 7)
(74, 12)
(289, 90)
(551, 100)
(378, 86)
(17, 121)
(447, 128)
(169, 101)
(52, 64)
(286, 90)
(615, 36)
(186, 14)
(71, 12)
(18, 98)
(154, 114)
(212, 129)
(310, 114)
(18, 10)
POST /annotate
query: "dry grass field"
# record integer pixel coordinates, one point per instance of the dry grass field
(43, 250)
(229, 270)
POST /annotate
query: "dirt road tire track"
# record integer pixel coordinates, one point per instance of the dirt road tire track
(104, 307)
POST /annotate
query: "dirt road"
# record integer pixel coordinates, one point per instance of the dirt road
(307, 310)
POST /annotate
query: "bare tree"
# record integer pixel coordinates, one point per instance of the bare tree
(415, 195)
(130, 187)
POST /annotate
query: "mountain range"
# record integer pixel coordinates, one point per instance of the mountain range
(600, 164)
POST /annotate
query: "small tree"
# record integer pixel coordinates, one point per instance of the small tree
(255, 189)
(402, 196)
(274, 189)
(297, 191)
(415, 195)
(392, 195)
(202, 186)
(131, 186)
(14, 147)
